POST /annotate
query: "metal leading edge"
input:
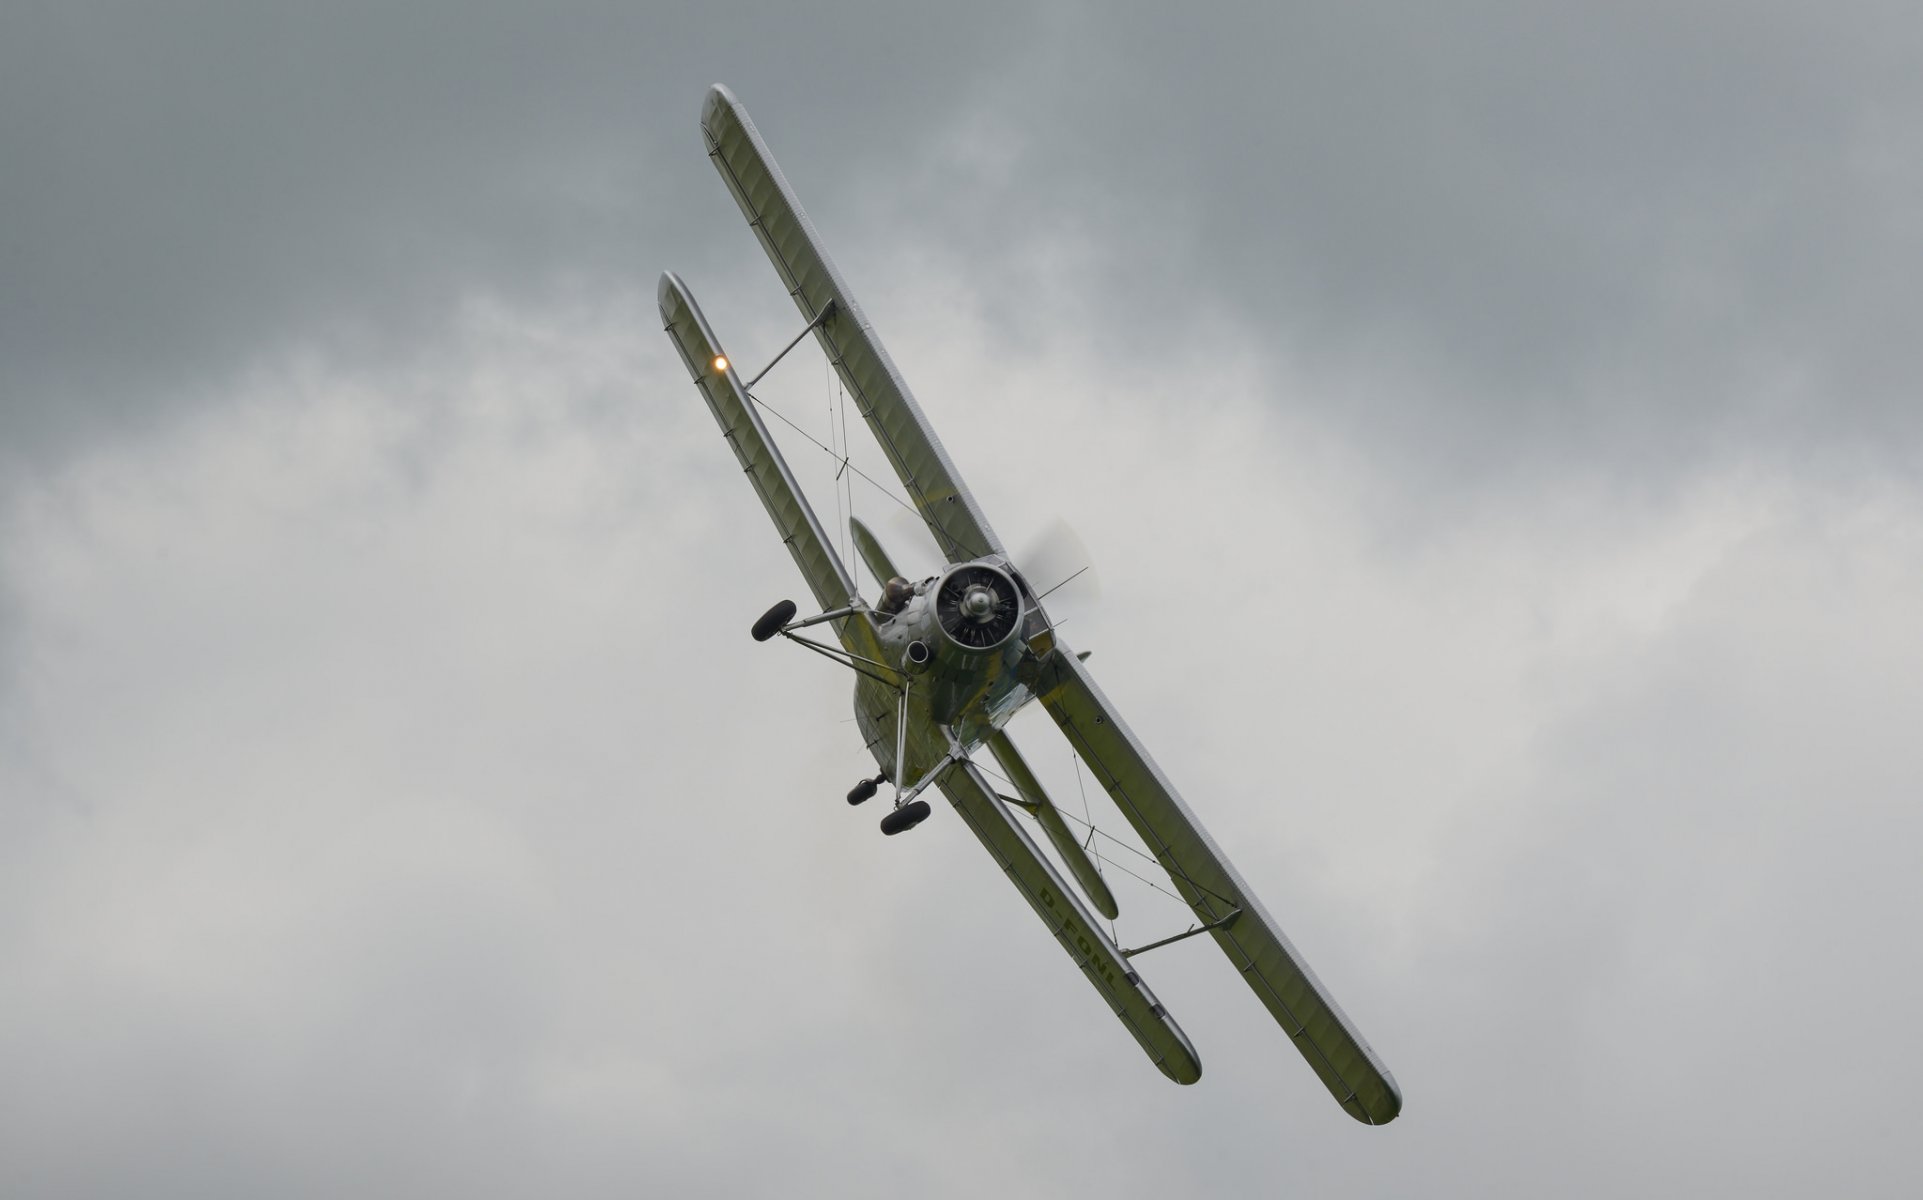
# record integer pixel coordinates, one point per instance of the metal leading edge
(1055, 903)
(1253, 941)
(866, 371)
(827, 575)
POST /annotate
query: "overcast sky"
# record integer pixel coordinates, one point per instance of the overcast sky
(1496, 427)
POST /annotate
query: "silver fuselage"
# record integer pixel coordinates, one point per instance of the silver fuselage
(966, 691)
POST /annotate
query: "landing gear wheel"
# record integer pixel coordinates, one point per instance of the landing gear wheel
(905, 818)
(772, 620)
(865, 790)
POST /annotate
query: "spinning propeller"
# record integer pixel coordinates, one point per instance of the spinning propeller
(1057, 565)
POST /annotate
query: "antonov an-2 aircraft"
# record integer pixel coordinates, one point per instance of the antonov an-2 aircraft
(942, 663)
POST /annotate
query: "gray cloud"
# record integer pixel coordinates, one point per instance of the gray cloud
(406, 811)
(1625, 239)
(190, 187)
(390, 802)
(1642, 233)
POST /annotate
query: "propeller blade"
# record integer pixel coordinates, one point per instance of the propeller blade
(1057, 555)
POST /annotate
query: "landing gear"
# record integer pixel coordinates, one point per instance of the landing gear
(773, 620)
(910, 812)
(865, 790)
(905, 818)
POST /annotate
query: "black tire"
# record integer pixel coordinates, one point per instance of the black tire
(865, 790)
(905, 818)
(772, 620)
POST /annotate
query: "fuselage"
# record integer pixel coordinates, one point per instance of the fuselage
(964, 642)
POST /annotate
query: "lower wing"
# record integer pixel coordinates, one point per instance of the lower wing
(1056, 904)
(734, 411)
(1253, 941)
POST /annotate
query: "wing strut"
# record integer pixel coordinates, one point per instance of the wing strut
(1190, 932)
(882, 397)
(1074, 855)
(1074, 927)
(827, 310)
(1268, 962)
(734, 411)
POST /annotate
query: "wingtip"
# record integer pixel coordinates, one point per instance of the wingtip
(1393, 1105)
(718, 100)
(1384, 1109)
(1181, 1063)
(1185, 1069)
(665, 292)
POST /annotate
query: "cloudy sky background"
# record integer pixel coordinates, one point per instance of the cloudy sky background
(392, 803)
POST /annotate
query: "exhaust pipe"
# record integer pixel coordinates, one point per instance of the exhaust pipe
(916, 658)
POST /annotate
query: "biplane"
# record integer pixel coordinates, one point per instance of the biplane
(942, 663)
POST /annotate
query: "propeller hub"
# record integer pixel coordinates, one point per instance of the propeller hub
(979, 604)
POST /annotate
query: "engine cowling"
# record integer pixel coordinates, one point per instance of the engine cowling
(977, 607)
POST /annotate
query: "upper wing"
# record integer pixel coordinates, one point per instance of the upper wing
(741, 425)
(1055, 903)
(865, 368)
(1252, 940)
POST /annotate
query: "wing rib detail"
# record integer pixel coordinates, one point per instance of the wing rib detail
(1263, 954)
(827, 576)
(802, 262)
(1055, 903)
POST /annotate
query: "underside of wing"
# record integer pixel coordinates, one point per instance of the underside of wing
(827, 576)
(1253, 941)
(866, 371)
(1054, 902)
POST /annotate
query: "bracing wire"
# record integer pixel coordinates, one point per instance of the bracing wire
(1095, 851)
(816, 442)
(841, 402)
(841, 453)
(1083, 789)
